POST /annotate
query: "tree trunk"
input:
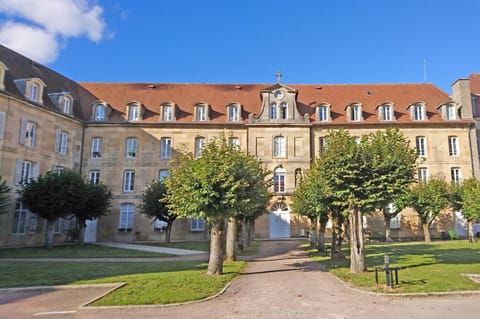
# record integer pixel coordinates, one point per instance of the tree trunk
(217, 235)
(470, 231)
(168, 231)
(81, 231)
(387, 219)
(251, 231)
(49, 233)
(321, 236)
(231, 240)
(426, 232)
(357, 248)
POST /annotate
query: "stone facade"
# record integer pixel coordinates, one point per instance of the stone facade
(126, 135)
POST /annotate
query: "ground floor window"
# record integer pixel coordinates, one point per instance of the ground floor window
(197, 224)
(126, 217)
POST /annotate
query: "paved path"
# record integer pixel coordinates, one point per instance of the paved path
(279, 283)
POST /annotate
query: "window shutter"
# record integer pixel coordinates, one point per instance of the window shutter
(18, 170)
(35, 170)
(23, 130)
(2, 125)
(57, 140)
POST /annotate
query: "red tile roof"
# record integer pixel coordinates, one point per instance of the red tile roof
(218, 96)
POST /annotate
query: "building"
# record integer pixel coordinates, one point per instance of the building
(125, 135)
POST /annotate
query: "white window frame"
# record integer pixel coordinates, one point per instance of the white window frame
(167, 112)
(134, 112)
(453, 148)
(283, 110)
(421, 146)
(418, 112)
(273, 111)
(131, 147)
(66, 104)
(323, 111)
(27, 172)
(197, 224)
(34, 92)
(30, 134)
(94, 176)
(395, 222)
(456, 175)
(201, 113)
(279, 176)
(233, 113)
(200, 143)
(450, 112)
(126, 216)
(96, 150)
(387, 111)
(100, 111)
(422, 174)
(279, 146)
(129, 181)
(234, 141)
(166, 147)
(61, 142)
(20, 224)
(356, 112)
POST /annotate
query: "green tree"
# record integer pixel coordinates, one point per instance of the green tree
(51, 196)
(466, 199)
(215, 190)
(392, 169)
(94, 203)
(428, 199)
(153, 206)
(4, 197)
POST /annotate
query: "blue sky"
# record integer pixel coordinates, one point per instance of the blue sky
(210, 41)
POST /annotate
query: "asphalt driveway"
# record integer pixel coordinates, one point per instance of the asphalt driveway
(280, 282)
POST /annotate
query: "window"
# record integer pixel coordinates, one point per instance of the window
(356, 113)
(197, 224)
(283, 111)
(273, 111)
(165, 147)
(28, 132)
(131, 147)
(387, 111)
(26, 173)
(298, 177)
(322, 115)
(456, 175)
(418, 112)
(322, 143)
(453, 146)
(127, 211)
(66, 105)
(279, 180)
(20, 219)
(421, 146)
(96, 147)
(201, 113)
(159, 225)
(167, 113)
(128, 181)
(450, 112)
(394, 221)
(34, 89)
(233, 113)
(422, 175)
(234, 141)
(475, 106)
(100, 111)
(279, 149)
(94, 177)
(61, 142)
(162, 174)
(133, 112)
(58, 169)
(199, 144)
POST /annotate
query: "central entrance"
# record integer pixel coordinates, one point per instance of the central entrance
(279, 221)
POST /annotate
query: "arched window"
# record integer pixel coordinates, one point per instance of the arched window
(284, 111)
(279, 180)
(100, 112)
(273, 111)
(134, 112)
(233, 113)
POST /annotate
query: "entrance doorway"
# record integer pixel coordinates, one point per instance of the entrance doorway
(279, 221)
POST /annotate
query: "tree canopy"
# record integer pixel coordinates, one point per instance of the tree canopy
(4, 198)
(466, 198)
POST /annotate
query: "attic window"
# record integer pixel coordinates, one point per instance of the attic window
(201, 112)
(3, 70)
(450, 112)
(134, 112)
(100, 112)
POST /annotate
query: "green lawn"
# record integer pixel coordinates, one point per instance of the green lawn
(434, 267)
(75, 251)
(194, 245)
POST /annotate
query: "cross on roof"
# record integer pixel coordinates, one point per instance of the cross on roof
(278, 75)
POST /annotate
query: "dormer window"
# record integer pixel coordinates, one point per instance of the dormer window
(167, 112)
(450, 112)
(100, 112)
(385, 112)
(33, 94)
(354, 112)
(233, 113)
(323, 113)
(201, 112)
(134, 112)
(67, 102)
(32, 89)
(3, 70)
(418, 112)
(283, 111)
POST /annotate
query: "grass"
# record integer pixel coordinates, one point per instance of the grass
(75, 251)
(434, 267)
(193, 245)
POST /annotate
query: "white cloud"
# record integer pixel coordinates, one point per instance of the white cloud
(51, 21)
